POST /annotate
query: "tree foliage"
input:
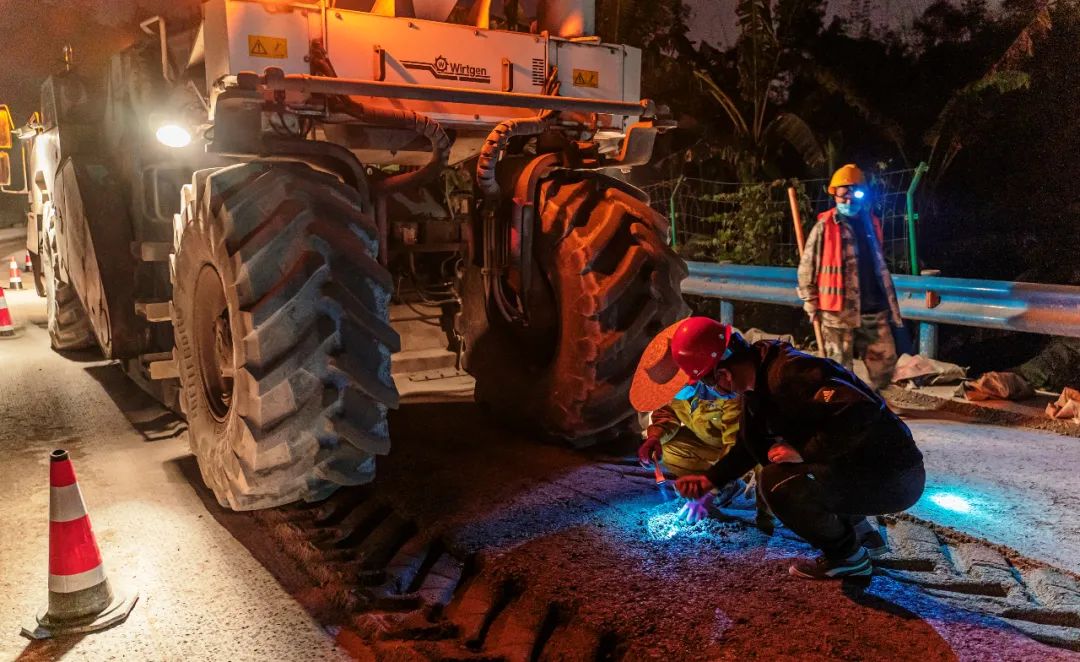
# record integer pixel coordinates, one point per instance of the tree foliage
(964, 117)
(759, 128)
(987, 93)
(748, 227)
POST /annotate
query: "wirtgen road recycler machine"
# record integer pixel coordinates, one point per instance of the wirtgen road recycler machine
(231, 207)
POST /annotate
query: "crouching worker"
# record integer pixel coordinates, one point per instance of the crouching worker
(832, 452)
(692, 424)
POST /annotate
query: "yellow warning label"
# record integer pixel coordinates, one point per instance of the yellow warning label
(6, 127)
(586, 78)
(263, 46)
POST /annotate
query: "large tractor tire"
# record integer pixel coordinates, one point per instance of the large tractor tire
(69, 325)
(604, 283)
(282, 335)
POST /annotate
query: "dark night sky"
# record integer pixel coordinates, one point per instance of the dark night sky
(35, 32)
(714, 20)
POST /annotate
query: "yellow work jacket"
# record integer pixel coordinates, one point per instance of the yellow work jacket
(714, 422)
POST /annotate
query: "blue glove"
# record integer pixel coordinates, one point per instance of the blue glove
(695, 510)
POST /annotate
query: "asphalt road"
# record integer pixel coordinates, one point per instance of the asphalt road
(201, 594)
(12, 240)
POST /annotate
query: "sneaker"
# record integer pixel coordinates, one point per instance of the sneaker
(874, 544)
(870, 538)
(824, 568)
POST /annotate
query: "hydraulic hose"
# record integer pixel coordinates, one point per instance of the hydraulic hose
(418, 122)
(421, 124)
(494, 148)
(495, 242)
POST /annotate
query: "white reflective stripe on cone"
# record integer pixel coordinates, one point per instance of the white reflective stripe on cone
(66, 503)
(79, 582)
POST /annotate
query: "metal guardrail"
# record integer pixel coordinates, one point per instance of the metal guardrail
(992, 304)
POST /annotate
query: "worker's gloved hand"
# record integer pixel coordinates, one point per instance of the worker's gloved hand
(781, 453)
(695, 510)
(649, 448)
(693, 486)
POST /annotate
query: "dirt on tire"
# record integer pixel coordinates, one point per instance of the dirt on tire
(69, 325)
(605, 282)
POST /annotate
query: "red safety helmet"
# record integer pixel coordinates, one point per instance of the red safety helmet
(698, 345)
(682, 353)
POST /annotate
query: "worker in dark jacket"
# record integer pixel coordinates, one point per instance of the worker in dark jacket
(832, 452)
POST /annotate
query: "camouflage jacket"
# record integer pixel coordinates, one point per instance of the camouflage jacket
(810, 266)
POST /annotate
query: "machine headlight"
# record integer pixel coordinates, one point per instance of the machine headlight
(172, 134)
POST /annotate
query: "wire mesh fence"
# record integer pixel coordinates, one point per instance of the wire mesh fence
(752, 223)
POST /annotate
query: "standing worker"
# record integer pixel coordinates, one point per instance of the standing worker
(831, 452)
(845, 283)
(692, 424)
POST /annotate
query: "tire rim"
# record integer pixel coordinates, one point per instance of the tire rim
(213, 342)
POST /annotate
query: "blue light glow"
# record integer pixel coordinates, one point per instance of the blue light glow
(951, 502)
(663, 526)
(859, 195)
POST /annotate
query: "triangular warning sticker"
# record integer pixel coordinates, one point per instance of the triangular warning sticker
(260, 45)
(586, 78)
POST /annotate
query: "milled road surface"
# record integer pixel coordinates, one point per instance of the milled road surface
(473, 544)
(201, 594)
(1014, 487)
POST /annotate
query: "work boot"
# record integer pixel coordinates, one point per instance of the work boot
(856, 565)
(870, 538)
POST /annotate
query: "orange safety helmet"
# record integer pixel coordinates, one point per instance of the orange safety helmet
(849, 175)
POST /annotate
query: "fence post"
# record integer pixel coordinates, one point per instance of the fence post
(920, 170)
(671, 212)
(928, 331)
(727, 312)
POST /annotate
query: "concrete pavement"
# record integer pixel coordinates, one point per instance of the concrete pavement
(1011, 486)
(202, 595)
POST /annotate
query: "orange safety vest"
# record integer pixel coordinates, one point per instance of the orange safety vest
(831, 265)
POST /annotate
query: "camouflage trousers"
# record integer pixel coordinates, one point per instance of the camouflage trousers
(871, 341)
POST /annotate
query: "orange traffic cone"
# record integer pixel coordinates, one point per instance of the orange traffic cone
(80, 599)
(27, 264)
(7, 327)
(14, 279)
